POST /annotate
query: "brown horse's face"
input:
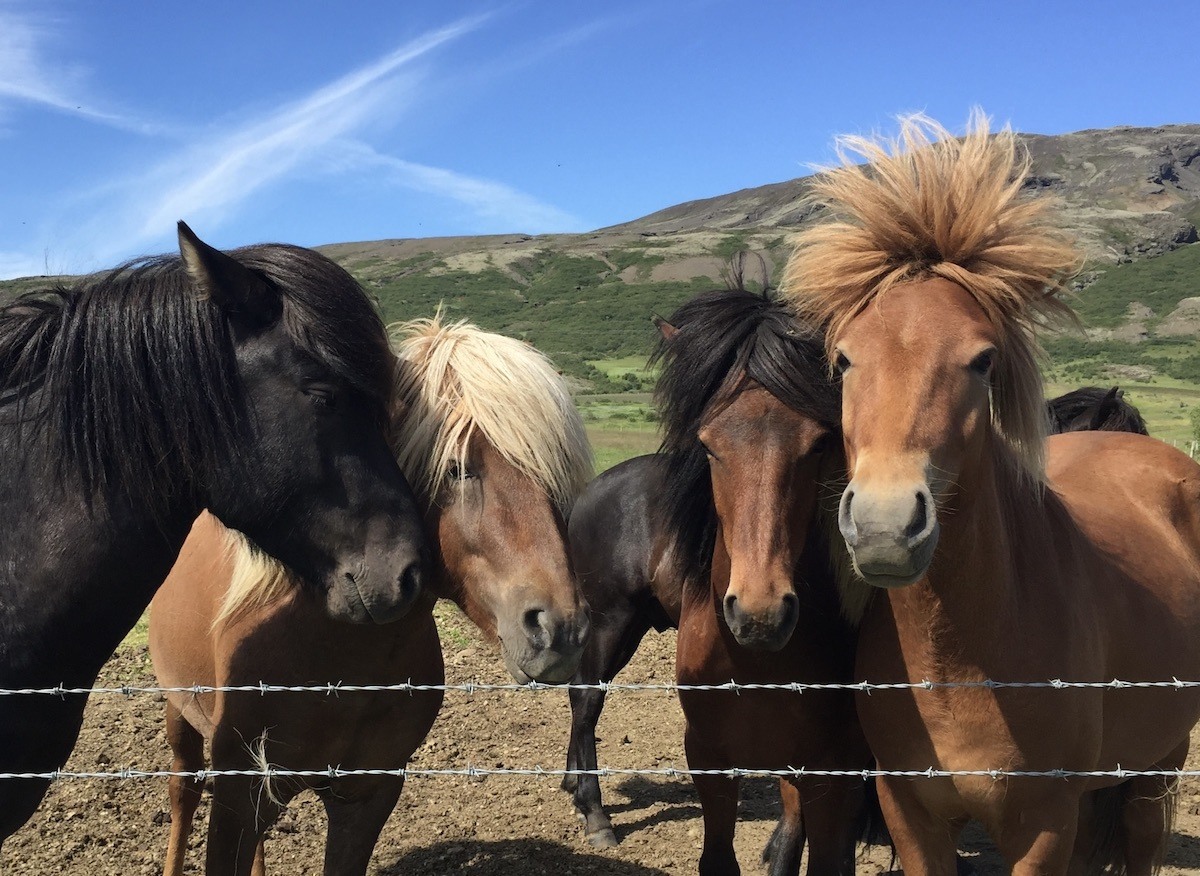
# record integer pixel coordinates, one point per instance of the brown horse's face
(763, 459)
(504, 553)
(915, 366)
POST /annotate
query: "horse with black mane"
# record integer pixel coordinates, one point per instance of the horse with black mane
(747, 408)
(254, 383)
(1092, 409)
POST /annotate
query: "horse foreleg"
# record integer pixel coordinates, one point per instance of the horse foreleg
(832, 814)
(786, 845)
(357, 813)
(719, 803)
(187, 749)
(608, 652)
(925, 844)
(1146, 815)
(1037, 836)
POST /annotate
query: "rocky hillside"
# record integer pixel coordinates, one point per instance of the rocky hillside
(1130, 192)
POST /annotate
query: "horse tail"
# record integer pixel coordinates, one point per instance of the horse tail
(1109, 825)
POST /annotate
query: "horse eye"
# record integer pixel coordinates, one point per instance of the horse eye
(982, 364)
(841, 363)
(458, 472)
(322, 395)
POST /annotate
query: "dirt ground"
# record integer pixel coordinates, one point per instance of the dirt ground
(490, 826)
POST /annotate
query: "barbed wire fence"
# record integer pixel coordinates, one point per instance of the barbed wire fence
(334, 689)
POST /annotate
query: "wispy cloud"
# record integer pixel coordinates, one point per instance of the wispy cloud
(499, 205)
(27, 76)
(219, 174)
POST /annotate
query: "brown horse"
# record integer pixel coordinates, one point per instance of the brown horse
(748, 408)
(931, 283)
(490, 440)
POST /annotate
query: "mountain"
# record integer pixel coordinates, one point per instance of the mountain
(1132, 195)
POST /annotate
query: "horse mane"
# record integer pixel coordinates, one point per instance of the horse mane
(130, 378)
(929, 205)
(455, 378)
(1092, 408)
(452, 379)
(726, 340)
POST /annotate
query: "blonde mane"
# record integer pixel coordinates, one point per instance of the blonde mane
(453, 379)
(927, 204)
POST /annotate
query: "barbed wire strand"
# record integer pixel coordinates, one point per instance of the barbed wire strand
(473, 687)
(602, 772)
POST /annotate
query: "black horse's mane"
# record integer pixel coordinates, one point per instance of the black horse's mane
(1092, 408)
(129, 377)
(725, 341)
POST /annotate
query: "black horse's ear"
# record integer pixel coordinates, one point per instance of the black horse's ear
(665, 329)
(1106, 409)
(247, 298)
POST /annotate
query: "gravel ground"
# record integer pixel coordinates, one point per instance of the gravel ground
(493, 825)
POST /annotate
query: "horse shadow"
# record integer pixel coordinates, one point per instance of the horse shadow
(528, 856)
(758, 801)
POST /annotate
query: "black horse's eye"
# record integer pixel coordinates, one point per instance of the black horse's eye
(841, 363)
(982, 364)
(321, 394)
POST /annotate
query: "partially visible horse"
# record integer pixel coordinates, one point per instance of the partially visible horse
(490, 439)
(747, 408)
(618, 540)
(932, 281)
(1092, 409)
(254, 383)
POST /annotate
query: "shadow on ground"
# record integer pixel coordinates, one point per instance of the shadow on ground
(531, 856)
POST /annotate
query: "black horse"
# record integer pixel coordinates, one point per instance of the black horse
(1092, 409)
(618, 537)
(256, 384)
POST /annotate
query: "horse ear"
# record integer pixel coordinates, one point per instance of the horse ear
(247, 298)
(665, 329)
(1106, 408)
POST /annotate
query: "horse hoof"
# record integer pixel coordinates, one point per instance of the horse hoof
(605, 838)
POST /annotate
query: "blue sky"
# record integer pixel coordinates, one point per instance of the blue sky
(313, 122)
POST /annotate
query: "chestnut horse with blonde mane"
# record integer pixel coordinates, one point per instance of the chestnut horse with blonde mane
(931, 279)
(488, 436)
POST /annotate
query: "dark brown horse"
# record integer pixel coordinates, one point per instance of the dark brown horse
(254, 383)
(490, 437)
(618, 538)
(744, 395)
(933, 281)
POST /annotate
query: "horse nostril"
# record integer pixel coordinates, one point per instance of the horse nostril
(920, 517)
(846, 522)
(731, 608)
(410, 582)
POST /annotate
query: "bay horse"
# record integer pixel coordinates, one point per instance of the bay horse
(746, 382)
(254, 383)
(618, 537)
(496, 451)
(932, 281)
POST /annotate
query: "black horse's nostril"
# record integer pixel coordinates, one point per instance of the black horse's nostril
(410, 582)
(920, 519)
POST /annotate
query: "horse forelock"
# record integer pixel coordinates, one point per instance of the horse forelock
(928, 205)
(330, 317)
(724, 342)
(455, 379)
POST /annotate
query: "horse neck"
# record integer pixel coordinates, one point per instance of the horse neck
(967, 605)
(68, 600)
